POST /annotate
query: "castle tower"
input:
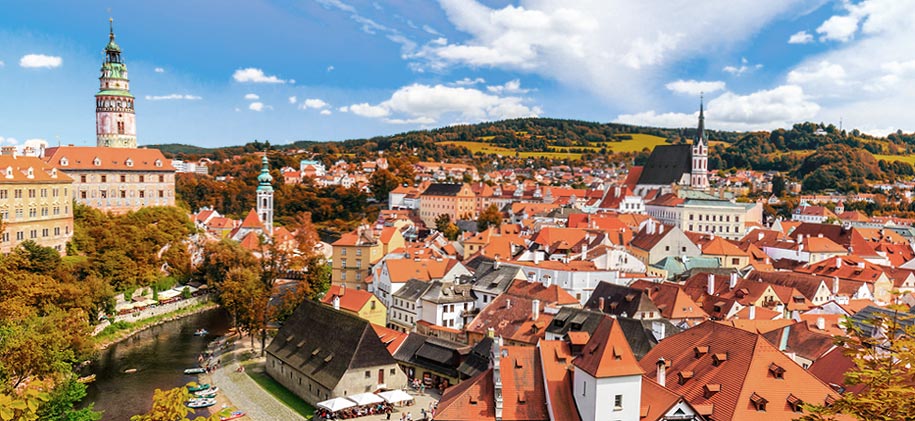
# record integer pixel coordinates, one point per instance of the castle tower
(115, 122)
(699, 174)
(265, 196)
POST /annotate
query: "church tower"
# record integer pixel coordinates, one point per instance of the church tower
(699, 174)
(265, 196)
(115, 122)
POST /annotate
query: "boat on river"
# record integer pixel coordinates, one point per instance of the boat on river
(233, 416)
(201, 332)
(201, 403)
(195, 370)
(198, 387)
(209, 391)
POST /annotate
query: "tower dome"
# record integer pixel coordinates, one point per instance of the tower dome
(115, 121)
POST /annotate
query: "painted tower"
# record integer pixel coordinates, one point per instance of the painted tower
(265, 196)
(115, 121)
(699, 174)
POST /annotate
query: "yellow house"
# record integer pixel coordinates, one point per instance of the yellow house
(728, 255)
(362, 304)
(35, 202)
(355, 253)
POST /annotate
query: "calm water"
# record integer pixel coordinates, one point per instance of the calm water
(160, 354)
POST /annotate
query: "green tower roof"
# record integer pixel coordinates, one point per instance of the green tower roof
(264, 180)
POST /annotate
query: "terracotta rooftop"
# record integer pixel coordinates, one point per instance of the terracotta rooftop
(607, 354)
(15, 169)
(351, 299)
(102, 158)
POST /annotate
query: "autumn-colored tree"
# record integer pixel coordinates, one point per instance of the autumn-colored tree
(244, 297)
(883, 350)
(381, 182)
(23, 405)
(442, 221)
(490, 217)
(169, 405)
(219, 258)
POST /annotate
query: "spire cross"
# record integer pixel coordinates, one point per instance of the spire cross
(111, 28)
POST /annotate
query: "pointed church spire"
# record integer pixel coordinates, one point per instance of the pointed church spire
(700, 132)
(111, 29)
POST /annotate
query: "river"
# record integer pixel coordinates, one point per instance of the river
(159, 354)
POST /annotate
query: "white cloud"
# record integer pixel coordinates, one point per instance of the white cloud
(40, 61)
(468, 81)
(170, 97)
(695, 87)
(293, 99)
(838, 28)
(608, 47)
(159, 70)
(2, 63)
(252, 97)
(431, 30)
(336, 4)
(761, 110)
(330, 68)
(313, 103)
(801, 37)
(343, 109)
(510, 87)
(744, 67)
(427, 104)
(8, 140)
(254, 75)
(256, 106)
(326, 112)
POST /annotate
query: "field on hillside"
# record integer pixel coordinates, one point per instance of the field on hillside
(890, 158)
(636, 144)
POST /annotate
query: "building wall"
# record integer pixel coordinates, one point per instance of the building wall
(354, 381)
(595, 398)
(374, 311)
(457, 207)
(40, 212)
(122, 191)
(352, 264)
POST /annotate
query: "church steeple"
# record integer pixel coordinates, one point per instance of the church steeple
(699, 174)
(265, 195)
(115, 121)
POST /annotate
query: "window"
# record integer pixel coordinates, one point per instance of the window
(82, 179)
(368, 374)
(142, 193)
(161, 193)
(618, 402)
(123, 194)
(343, 252)
(343, 263)
(20, 236)
(103, 194)
(758, 402)
(358, 252)
(44, 192)
(3, 194)
(33, 234)
(358, 262)
(82, 194)
(161, 178)
(142, 178)
(104, 178)
(123, 178)
(31, 193)
(44, 232)
(6, 237)
(17, 193)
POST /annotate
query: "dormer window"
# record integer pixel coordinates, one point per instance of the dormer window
(719, 358)
(9, 172)
(684, 376)
(710, 389)
(53, 172)
(699, 351)
(758, 402)
(777, 371)
(158, 162)
(796, 404)
(129, 162)
(30, 173)
(64, 162)
(97, 162)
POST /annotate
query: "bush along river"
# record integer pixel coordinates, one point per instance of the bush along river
(128, 372)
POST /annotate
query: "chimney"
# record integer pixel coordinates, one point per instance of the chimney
(336, 302)
(584, 251)
(661, 229)
(821, 323)
(617, 193)
(536, 257)
(600, 304)
(497, 375)
(8, 151)
(759, 236)
(733, 282)
(342, 289)
(752, 312)
(662, 372)
(535, 310)
(860, 265)
(838, 262)
(497, 263)
(835, 285)
(800, 238)
(547, 281)
(711, 284)
(508, 304)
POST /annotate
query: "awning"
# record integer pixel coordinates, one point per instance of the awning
(365, 399)
(168, 294)
(336, 404)
(395, 396)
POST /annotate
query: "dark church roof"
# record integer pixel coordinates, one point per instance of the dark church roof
(443, 189)
(666, 164)
(324, 343)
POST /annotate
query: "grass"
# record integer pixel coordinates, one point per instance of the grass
(281, 393)
(890, 158)
(118, 330)
(639, 141)
(636, 144)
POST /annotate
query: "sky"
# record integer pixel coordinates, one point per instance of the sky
(217, 72)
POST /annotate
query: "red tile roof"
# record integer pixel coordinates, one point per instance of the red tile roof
(553, 294)
(607, 354)
(351, 299)
(120, 159)
(556, 359)
(19, 167)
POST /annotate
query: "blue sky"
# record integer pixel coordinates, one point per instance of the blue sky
(217, 73)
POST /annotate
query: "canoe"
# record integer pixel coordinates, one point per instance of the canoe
(130, 370)
(198, 388)
(209, 391)
(210, 395)
(201, 332)
(201, 403)
(233, 416)
(195, 370)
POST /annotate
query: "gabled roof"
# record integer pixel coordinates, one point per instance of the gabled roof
(670, 299)
(511, 318)
(252, 221)
(351, 299)
(392, 339)
(444, 189)
(402, 270)
(120, 159)
(719, 246)
(801, 340)
(666, 164)
(738, 364)
(553, 294)
(19, 167)
(620, 300)
(434, 354)
(324, 343)
(556, 358)
(607, 354)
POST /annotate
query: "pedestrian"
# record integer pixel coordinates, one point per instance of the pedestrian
(388, 417)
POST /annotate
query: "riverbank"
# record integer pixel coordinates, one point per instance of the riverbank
(121, 331)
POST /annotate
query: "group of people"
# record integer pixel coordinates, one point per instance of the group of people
(355, 412)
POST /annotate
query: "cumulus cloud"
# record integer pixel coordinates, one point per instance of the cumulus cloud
(468, 81)
(607, 47)
(40, 61)
(171, 97)
(256, 106)
(8, 140)
(744, 67)
(330, 68)
(313, 103)
(801, 37)
(764, 109)
(254, 75)
(293, 99)
(2, 64)
(252, 97)
(695, 87)
(838, 28)
(510, 87)
(428, 104)
(343, 109)
(326, 112)
(159, 70)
